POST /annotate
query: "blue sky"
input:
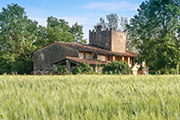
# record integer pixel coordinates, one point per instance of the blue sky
(85, 12)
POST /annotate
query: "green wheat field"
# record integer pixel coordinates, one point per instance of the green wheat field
(90, 97)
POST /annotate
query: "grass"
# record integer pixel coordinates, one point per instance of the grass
(90, 97)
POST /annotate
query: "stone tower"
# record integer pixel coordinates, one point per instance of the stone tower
(108, 39)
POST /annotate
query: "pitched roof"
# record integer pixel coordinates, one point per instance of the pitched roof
(80, 60)
(87, 48)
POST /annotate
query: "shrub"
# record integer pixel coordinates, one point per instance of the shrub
(173, 71)
(169, 71)
(82, 69)
(62, 69)
(116, 68)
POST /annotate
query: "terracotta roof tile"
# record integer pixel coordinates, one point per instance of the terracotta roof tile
(80, 60)
(87, 48)
(90, 61)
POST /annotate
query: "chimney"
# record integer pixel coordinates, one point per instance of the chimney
(99, 28)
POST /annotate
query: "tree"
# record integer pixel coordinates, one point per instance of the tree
(123, 23)
(123, 27)
(17, 34)
(57, 34)
(113, 21)
(76, 30)
(42, 39)
(154, 31)
(119, 24)
(59, 30)
(101, 22)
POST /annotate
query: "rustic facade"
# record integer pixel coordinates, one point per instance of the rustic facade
(53, 52)
(104, 47)
(111, 40)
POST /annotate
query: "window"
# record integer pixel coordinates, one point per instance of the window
(42, 57)
(108, 58)
(95, 56)
(84, 55)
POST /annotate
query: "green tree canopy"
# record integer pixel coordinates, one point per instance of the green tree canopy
(59, 30)
(17, 34)
(154, 30)
(76, 30)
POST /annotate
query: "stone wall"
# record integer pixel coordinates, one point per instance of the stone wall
(108, 39)
(102, 57)
(51, 54)
(118, 41)
(81, 55)
(101, 39)
(88, 55)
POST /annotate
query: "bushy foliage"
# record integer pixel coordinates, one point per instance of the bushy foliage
(83, 68)
(116, 68)
(164, 71)
(155, 32)
(17, 35)
(11, 63)
(62, 69)
(170, 71)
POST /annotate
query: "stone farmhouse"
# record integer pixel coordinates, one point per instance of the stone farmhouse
(105, 46)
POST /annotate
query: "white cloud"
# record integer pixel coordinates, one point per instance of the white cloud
(112, 6)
